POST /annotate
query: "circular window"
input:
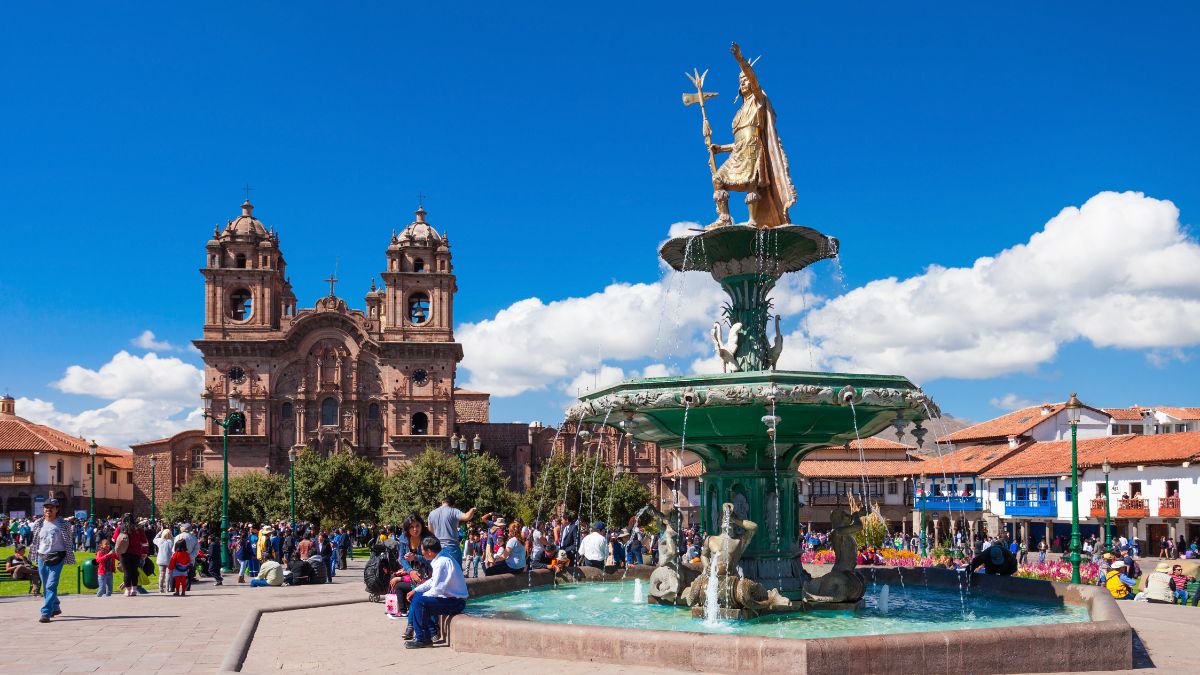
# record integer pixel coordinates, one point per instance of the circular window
(241, 305)
(418, 308)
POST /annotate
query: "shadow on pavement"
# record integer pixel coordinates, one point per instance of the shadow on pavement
(1141, 657)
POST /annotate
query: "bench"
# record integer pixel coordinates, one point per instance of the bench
(8, 577)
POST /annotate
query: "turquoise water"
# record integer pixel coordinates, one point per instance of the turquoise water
(913, 608)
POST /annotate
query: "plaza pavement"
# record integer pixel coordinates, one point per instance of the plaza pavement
(165, 634)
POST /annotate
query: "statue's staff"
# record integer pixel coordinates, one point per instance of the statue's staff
(697, 79)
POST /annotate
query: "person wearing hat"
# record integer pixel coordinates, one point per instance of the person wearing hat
(1119, 585)
(193, 549)
(594, 547)
(51, 547)
(995, 560)
(20, 567)
(620, 539)
(1158, 584)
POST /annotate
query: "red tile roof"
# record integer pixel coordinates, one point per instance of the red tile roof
(1014, 423)
(1180, 413)
(693, 470)
(972, 459)
(871, 468)
(1054, 457)
(874, 443)
(21, 435)
(1130, 414)
(1153, 449)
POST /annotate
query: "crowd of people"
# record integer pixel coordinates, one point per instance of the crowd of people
(271, 554)
(435, 554)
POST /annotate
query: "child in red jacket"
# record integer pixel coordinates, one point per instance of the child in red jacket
(181, 562)
(105, 561)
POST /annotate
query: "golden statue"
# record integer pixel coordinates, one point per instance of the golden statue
(756, 164)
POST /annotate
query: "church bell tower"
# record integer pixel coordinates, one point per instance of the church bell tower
(245, 289)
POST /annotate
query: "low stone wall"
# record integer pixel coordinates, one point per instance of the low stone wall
(1103, 643)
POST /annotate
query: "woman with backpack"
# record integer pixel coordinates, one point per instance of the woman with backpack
(132, 547)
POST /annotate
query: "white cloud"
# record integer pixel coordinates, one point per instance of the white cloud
(1161, 358)
(147, 341)
(533, 344)
(147, 397)
(148, 377)
(1011, 402)
(1120, 271)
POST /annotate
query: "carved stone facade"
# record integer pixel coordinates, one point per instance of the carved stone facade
(377, 381)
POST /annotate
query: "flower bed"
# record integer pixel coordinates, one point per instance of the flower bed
(1058, 571)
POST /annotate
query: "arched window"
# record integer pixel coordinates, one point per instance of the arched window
(239, 261)
(373, 411)
(329, 412)
(197, 457)
(418, 265)
(418, 308)
(241, 305)
(420, 424)
(286, 411)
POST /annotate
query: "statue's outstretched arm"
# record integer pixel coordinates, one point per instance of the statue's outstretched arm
(747, 69)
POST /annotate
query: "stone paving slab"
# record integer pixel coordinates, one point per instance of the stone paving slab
(360, 638)
(148, 633)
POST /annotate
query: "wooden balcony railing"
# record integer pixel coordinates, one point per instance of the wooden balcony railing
(16, 477)
(1097, 508)
(1168, 507)
(1133, 508)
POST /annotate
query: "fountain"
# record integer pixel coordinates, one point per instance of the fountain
(751, 425)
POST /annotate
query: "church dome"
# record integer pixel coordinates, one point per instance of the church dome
(246, 225)
(420, 232)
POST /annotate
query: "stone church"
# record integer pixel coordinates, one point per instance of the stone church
(377, 381)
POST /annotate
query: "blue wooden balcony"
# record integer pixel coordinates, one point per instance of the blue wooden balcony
(1036, 507)
(948, 503)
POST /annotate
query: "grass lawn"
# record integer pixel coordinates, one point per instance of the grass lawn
(66, 584)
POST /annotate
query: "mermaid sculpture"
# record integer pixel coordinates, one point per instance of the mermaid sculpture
(843, 583)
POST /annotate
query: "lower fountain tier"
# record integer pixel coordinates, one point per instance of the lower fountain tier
(720, 417)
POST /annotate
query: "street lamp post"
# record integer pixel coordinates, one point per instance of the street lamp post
(1107, 519)
(1074, 407)
(924, 490)
(292, 480)
(234, 420)
(459, 447)
(153, 490)
(92, 493)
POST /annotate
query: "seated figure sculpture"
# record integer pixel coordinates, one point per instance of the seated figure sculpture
(843, 583)
(670, 577)
(720, 555)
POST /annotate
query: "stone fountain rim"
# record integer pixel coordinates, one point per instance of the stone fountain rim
(967, 650)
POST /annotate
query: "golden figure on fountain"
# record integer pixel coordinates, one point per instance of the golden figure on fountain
(756, 164)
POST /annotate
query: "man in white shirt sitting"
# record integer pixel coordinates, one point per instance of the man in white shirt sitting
(444, 593)
(594, 547)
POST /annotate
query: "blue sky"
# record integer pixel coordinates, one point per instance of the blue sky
(553, 147)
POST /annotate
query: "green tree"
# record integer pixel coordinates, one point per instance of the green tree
(584, 487)
(336, 490)
(258, 498)
(197, 500)
(420, 486)
(253, 497)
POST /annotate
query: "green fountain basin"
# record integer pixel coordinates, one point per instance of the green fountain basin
(721, 419)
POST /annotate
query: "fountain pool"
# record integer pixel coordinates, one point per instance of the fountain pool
(915, 609)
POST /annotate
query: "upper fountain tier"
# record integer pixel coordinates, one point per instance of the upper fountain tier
(733, 250)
